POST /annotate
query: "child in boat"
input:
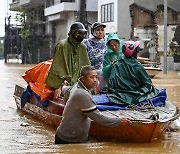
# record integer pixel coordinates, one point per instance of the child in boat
(80, 108)
(128, 81)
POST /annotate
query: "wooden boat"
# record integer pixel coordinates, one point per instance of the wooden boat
(152, 71)
(152, 68)
(147, 125)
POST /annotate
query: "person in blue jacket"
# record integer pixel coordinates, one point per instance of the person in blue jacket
(96, 48)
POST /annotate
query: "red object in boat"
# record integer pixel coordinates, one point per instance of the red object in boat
(36, 78)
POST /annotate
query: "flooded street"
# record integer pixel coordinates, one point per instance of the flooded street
(21, 133)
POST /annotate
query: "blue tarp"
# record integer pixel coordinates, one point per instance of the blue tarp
(103, 102)
(26, 96)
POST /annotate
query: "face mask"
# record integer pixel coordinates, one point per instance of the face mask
(78, 38)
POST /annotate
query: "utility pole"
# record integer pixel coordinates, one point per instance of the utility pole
(165, 38)
(83, 13)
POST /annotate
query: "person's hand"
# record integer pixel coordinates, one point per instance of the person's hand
(65, 83)
(114, 62)
(57, 93)
(126, 120)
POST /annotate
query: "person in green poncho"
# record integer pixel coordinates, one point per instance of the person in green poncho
(114, 53)
(128, 82)
(70, 55)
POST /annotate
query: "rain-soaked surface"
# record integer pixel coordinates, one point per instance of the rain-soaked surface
(21, 133)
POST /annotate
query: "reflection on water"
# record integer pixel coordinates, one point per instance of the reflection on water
(21, 133)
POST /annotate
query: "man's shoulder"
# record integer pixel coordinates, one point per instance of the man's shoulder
(82, 45)
(61, 43)
(81, 92)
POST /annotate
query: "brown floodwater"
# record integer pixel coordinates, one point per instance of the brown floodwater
(22, 133)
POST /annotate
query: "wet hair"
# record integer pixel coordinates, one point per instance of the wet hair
(114, 40)
(86, 69)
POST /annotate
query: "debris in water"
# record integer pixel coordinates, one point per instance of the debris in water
(24, 124)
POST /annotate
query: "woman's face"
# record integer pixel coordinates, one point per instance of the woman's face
(114, 45)
(99, 31)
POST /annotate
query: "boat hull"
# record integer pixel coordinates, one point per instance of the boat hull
(137, 131)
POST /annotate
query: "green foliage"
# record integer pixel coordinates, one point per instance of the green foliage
(25, 33)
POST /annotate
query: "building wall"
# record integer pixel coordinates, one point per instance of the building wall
(170, 34)
(91, 5)
(110, 26)
(124, 20)
(58, 30)
(173, 19)
(143, 30)
(91, 18)
(149, 4)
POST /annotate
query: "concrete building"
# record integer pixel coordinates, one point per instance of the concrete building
(60, 14)
(51, 20)
(143, 20)
(34, 43)
(130, 19)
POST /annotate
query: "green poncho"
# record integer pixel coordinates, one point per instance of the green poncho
(129, 83)
(67, 62)
(110, 55)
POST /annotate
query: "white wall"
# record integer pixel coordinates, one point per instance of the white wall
(170, 36)
(60, 8)
(110, 26)
(92, 5)
(124, 19)
(64, 14)
(146, 35)
(149, 4)
(61, 25)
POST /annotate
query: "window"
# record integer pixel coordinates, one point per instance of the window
(49, 3)
(107, 12)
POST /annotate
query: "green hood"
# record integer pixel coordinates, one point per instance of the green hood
(113, 36)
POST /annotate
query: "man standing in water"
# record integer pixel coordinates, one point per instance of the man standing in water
(80, 108)
(70, 55)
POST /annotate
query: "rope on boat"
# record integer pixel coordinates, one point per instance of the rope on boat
(143, 106)
(133, 118)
